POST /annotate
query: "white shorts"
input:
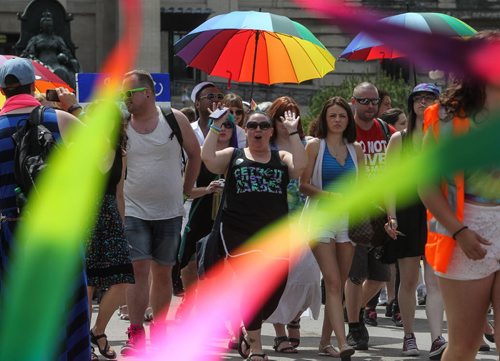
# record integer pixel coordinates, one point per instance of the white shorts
(486, 222)
(337, 232)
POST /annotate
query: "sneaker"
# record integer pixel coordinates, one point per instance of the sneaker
(371, 317)
(358, 337)
(410, 345)
(396, 318)
(136, 342)
(437, 348)
(382, 299)
(421, 295)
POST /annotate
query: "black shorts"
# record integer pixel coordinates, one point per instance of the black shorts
(366, 266)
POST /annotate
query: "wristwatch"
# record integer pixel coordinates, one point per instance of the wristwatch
(74, 107)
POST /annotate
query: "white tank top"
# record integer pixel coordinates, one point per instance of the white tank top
(154, 185)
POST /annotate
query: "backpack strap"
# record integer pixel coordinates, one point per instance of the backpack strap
(385, 127)
(36, 116)
(176, 130)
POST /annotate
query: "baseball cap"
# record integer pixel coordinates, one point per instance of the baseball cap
(199, 87)
(426, 87)
(21, 68)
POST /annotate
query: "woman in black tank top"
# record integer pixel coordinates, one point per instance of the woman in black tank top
(257, 180)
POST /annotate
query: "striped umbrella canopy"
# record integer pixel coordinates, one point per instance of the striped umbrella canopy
(365, 47)
(250, 46)
(44, 77)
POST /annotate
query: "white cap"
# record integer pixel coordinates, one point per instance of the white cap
(199, 87)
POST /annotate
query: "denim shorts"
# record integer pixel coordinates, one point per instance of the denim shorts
(156, 240)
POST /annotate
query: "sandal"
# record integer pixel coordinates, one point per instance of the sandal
(263, 356)
(278, 341)
(328, 350)
(346, 351)
(93, 356)
(106, 351)
(245, 354)
(294, 325)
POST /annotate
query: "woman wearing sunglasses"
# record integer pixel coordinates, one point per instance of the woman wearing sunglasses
(235, 105)
(333, 155)
(257, 179)
(302, 289)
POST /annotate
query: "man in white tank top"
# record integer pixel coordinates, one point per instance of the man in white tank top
(154, 194)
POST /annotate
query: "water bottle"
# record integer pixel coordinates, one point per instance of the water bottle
(20, 199)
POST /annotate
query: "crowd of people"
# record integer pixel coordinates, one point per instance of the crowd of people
(266, 165)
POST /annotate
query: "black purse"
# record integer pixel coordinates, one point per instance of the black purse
(369, 230)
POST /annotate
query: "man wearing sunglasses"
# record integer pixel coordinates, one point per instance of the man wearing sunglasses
(153, 191)
(367, 274)
(206, 97)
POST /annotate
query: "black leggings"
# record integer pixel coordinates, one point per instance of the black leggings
(269, 306)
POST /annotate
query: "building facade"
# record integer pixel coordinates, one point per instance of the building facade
(96, 28)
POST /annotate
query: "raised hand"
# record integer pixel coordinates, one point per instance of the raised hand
(290, 121)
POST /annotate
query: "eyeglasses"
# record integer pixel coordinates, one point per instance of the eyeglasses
(237, 112)
(427, 98)
(213, 96)
(228, 124)
(261, 125)
(128, 93)
(366, 101)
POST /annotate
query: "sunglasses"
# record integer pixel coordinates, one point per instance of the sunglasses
(213, 96)
(128, 93)
(228, 124)
(366, 101)
(261, 125)
(237, 112)
(427, 98)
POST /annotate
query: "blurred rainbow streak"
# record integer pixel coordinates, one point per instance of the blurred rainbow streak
(49, 240)
(192, 337)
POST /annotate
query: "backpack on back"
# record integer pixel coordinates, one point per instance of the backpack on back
(33, 143)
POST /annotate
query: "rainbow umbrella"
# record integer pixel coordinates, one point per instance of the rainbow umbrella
(250, 46)
(45, 78)
(365, 47)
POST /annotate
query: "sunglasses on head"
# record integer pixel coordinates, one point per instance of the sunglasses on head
(213, 96)
(366, 101)
(237, 112)
(128, 93)
(262, 125)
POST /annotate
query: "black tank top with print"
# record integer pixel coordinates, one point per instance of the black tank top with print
(257, 193)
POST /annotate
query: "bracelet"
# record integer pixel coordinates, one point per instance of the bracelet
(293, 133)
(74, 107)
(458, 232)
(215, 129)
(186, 196)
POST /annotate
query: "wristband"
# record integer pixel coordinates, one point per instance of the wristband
(74, 107)
(214, 127)
(293, 133)
(214, 130)
(458, 232)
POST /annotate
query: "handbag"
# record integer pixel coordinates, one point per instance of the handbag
(208, 248)
(369, 230)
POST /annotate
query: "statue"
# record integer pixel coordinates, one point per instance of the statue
(52, 50)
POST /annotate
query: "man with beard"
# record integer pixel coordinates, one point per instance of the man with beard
(154, 190)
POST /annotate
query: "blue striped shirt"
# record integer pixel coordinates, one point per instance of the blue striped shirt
(332, 170)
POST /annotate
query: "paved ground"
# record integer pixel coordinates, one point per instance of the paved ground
(385, 341)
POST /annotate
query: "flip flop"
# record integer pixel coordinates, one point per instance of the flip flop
(328, 350)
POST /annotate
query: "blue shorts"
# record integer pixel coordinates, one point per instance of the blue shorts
(156, 240)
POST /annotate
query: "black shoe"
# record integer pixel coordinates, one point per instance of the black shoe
(358, 337)
(388, 309)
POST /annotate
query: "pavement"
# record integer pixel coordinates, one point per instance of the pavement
(385, 340)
